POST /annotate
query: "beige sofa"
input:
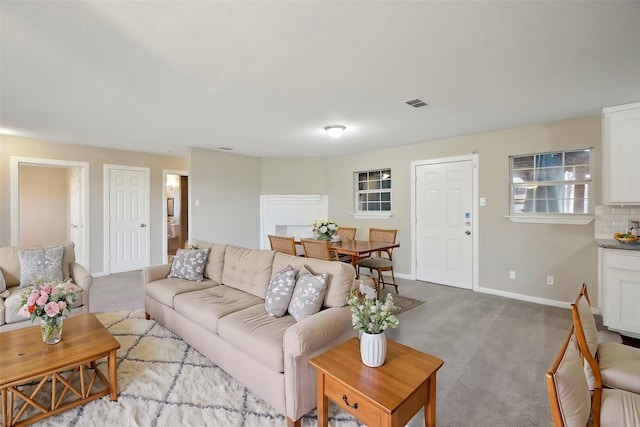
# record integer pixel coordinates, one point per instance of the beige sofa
(10, 269)
(224, 318)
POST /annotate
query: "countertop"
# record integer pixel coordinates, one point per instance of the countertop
(614, 244)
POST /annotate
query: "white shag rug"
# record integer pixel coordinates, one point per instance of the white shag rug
(162, 381)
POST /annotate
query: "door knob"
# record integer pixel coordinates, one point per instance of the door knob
(467, 232)
(143, 225)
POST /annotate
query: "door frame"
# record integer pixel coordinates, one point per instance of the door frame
(85, 200)
(475, 245)
(165, 234)
(107, 209)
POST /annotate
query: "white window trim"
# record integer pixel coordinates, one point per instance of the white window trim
(372, 215)
(552, 219)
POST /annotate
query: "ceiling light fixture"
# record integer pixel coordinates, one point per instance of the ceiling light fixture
(335, 131)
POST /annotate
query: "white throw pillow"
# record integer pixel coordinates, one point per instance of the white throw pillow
(189, 264)
(44, 265)
(280, 291)
(308, 294)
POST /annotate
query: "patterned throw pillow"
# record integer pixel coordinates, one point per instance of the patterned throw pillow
(189, 264)
(40, 265)
(279, 292)
(3, 287)
(308, 294)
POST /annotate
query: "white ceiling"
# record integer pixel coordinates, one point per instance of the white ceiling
(265, 77)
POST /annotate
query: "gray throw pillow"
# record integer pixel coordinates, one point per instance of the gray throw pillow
(3, 287)
(44, 265)
(189, 264)
(280, 291)
(308, 294)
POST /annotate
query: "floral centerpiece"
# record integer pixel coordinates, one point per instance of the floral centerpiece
(372, 317)
(49, 301)
(325, 229)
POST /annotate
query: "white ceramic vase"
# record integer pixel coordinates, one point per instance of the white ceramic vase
(373, 349)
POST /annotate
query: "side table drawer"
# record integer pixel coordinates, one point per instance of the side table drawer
(366, 412)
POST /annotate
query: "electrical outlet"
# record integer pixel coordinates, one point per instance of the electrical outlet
(512, 275)
(550, 280)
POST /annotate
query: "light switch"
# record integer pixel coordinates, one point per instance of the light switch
(483, 201)
(197, 202)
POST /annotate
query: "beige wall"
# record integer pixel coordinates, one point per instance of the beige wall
(97, 158)
(295, 175)
(227, 187)
(44, 205)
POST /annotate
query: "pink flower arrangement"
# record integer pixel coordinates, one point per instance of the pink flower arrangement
(48, 300)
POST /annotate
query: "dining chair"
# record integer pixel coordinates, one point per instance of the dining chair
(380, 263)
(346, 233)
(571, 402)
(318, 249)
(609, 364)
(283, 244)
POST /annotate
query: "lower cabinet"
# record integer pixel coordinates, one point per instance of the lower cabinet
(619, 273)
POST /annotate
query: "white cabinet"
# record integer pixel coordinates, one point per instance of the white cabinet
(620, 290)
(621, 154)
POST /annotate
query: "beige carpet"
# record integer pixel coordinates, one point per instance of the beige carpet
(162, 381)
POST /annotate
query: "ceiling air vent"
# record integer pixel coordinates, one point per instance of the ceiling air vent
(416, 103)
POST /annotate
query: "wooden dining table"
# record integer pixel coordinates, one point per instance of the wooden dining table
(359, 249)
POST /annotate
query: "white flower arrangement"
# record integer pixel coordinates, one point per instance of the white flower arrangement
(325, 229)
(369, 314)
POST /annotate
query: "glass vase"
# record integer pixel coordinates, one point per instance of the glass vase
(51, 329)
(324, 236)
(373, 349)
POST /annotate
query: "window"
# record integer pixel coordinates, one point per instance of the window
(373, 191)
(551, 183)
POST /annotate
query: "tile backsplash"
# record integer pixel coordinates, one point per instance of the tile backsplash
(614, 219)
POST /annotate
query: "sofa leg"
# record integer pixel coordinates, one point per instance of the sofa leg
(296, 423)
(146, 316)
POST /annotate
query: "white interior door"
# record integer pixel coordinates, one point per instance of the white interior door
(128, 219)
(444, 223)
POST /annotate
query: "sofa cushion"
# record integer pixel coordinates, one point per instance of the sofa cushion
(10, 262)
(248, 270)
(340, 278)
(207, 306)
(13, 302)
(308, 294)
(257, 334)
(40, 265)
(189, 264)
(279, 292)
(165, 290)
(215, 263)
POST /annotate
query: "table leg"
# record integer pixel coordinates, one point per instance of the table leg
(113, 376)
(5, 420)
(430, 404)
(323, 403)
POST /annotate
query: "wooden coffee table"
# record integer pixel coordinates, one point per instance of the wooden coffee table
(389, 395)
(25, 358)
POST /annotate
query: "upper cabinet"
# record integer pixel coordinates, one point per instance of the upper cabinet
(621, 154)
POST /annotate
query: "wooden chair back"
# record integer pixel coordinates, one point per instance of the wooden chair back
(347, 233)
(283, 244)
(385, 236)
(586, 333)
(570, 400)
(318, 249)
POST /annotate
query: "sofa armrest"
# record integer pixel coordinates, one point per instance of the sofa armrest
(151, 273)
(80, 276)
(317, 331)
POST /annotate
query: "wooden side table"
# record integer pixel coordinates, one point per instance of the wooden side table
(389, 395)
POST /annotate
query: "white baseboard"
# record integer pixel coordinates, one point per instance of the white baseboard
(528, 298)
(101, 274)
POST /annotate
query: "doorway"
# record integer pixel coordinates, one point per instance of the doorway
(176, 233)
(444, 223)
(50, 204)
